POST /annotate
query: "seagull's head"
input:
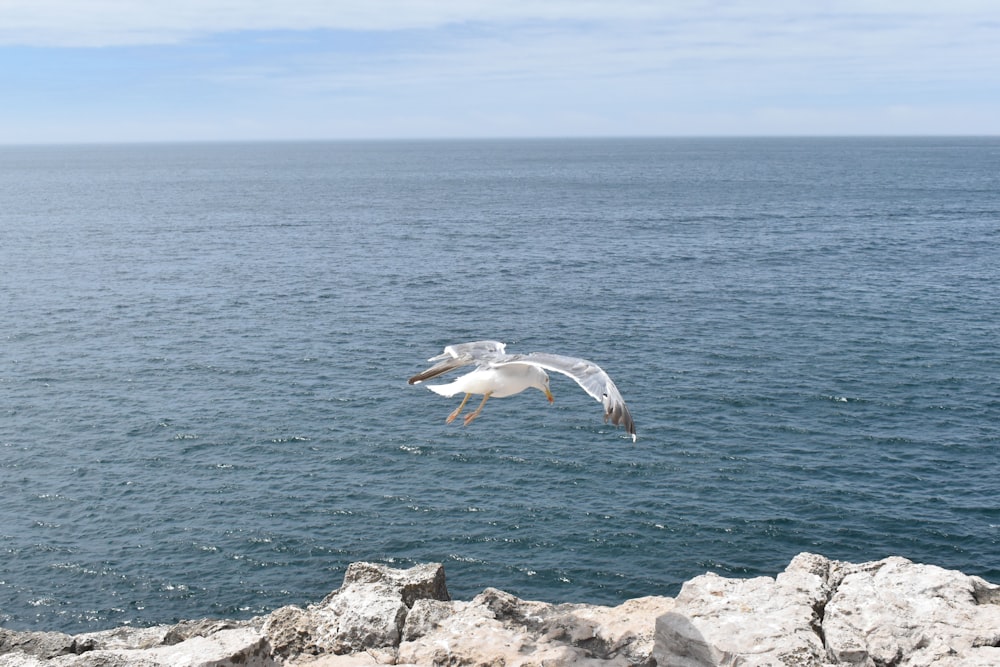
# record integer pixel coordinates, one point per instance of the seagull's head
(542, 383)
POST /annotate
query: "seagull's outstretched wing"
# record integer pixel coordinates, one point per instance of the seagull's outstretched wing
(455, 356)
(588, 375)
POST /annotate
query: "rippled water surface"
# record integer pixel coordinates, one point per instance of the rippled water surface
(204, 353)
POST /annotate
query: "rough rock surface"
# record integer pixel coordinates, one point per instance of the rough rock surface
(817, 613)
(760, 621)
(496, 628)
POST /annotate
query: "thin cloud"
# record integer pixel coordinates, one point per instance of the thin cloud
(485, 68)
(831, 53)
(100, 23)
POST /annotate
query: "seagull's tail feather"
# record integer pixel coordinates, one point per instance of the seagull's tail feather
(444, 389)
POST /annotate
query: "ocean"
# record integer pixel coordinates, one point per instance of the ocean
(204, 352)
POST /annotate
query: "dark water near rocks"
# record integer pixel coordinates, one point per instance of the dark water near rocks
(204, 353)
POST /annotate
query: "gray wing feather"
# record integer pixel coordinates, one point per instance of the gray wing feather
(478, 352)
(588, 375)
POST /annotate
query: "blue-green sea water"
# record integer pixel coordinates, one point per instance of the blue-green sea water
(204, 353)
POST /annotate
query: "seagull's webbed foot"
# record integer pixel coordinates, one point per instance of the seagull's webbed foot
(457, 410)
(472, 415)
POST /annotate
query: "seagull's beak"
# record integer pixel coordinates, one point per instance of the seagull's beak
(548, 395)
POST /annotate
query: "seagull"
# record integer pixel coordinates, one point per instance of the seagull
(499, 375)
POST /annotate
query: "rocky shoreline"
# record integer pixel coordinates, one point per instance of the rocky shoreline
(817, 612)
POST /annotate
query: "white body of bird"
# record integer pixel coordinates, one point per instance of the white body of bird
(498, 382)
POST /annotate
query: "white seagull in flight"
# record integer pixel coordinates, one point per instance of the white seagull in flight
(499, 374)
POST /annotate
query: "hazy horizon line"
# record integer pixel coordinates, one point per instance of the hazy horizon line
(486, 138)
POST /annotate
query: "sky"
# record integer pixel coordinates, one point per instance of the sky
(222, 70)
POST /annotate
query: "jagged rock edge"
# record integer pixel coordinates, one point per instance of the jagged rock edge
(532, 617)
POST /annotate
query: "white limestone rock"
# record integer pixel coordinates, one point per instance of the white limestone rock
(896, 612)
(234, 647)
(497, 628)
(361, 617)
(367, 612)
(817, 613)
(759, 621)
(820, 612)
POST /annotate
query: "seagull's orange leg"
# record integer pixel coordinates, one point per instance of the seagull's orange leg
(458, 410)
(472, 415)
